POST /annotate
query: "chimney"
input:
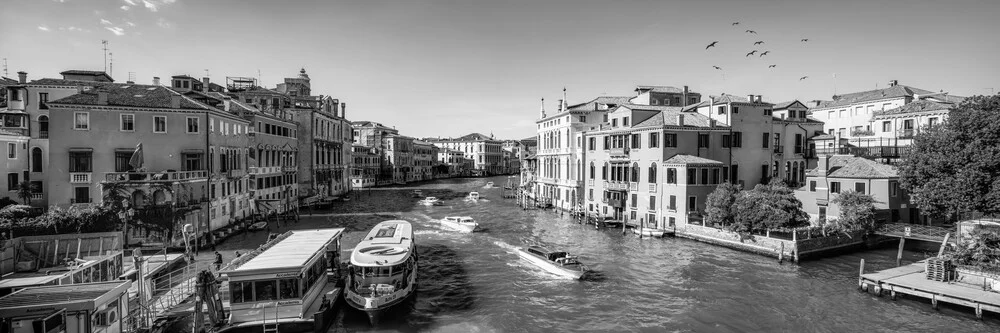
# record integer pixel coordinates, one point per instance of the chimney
(102, 97)
(156, 80)
(750, 98)
(22, 77)
(893, 83)
(205, 81)
(226, 101)
(759, 99)
(343, 110)
(175, 101)
(711, 123)
(823, 164)
(129, 82)
(684, 97)
(680, 119)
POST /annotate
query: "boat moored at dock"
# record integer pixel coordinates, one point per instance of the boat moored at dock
(383, 269)
(555, 262)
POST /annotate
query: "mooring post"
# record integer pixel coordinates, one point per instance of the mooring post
(944, 244)
(899, 254)
(861, 272)
(781, 254)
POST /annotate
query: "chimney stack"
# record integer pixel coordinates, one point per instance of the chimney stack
(205, 82)
(750, 98)
(684, 97)
(22, 77)
(102, 97)
(129, 82)
(759, 97)
(156, 80)
(893, 83)
(175, 101)
(680, 119)
(343, 110)
(226, 102)
(823, 164)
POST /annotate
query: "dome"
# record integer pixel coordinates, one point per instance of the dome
(302, 74)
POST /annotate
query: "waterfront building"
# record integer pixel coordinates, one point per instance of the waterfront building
(453, 159)
(325, 140)
(484, 151)
(16, 164)
(399, 155)
(366, 167)
(515, 152)
(792, 149)
(158, 146)
(424, 160)
(373, 134)
(836, 174)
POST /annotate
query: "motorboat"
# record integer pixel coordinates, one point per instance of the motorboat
(488, 185)
(383, 269)
(460, 223)
(473, 196)
(555, 262)
(258, 226)
(649, 232)
(430, 201)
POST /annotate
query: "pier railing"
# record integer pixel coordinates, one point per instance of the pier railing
(915, 231)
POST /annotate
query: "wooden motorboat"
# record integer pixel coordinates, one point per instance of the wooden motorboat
(473, 196)
(555, 262)
(430, 201)
(460, 223)
(258, 226)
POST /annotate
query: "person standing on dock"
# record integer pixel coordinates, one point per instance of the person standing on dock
(218, 261)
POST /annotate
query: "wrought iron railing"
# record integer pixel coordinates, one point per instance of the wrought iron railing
(915, 231)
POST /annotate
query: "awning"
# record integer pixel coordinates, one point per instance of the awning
(9, 111)
(81, 150)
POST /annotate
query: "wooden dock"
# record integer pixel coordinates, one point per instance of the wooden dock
(911, 280)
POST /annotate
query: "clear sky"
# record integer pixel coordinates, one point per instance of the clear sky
(447, 68)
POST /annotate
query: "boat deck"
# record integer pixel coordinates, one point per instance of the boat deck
(911, 280)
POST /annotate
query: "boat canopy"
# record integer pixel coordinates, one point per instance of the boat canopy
(293, 252)
(388, 243)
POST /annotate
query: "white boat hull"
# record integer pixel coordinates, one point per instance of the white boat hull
(649, 232)
(551, 267)
(463, 227)
(374, 306)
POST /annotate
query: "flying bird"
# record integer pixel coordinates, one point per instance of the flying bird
(803, 78)
(711, 45)
(717, 67)
(758, 42)
(805, 39)
(772, 66)
(751, 53)
(736, 23)
(751, 31)
(764, 53)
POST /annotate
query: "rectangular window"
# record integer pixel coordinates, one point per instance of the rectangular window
(159, 124)
(607, 142)
(715, 176)
(592, 143)
(843, 113)
(15, 94)
(704, 176)
(722, 110)
(624, 121)
(12, 181)
(670, 140)
(798, 143)
(725, 174)
(80, 162)
(673, 203)
(614, 122)
(737, 139)
(692, 204)
(127, 123)
(671, 175)
(654, 140)
(726, 140)
(834, 187)
(11, 150)
(635, 199)
(830, 115)
(121, 161)
(192, 125)
(812, 186)
(857, 111)
(886, 126)
(692, 175)
(735, 177)
(81, 194)
(652, 202)
(192, 162)
(859, 187)
(636, 141)
(702, 140)
(802, 114)
(81, 120)
(932, 121)
(893, 189)
(736, 109)
(43, 100)
(767, 140)
(583, 119)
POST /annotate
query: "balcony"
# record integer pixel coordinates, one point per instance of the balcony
(779, 149)
(616, 186)
(237, 173)
(618, 154)
(80, 178)
(906, 133)
(652, 188)
(856, 133)
(822, 201)
(154, 177)
(289, 169)
(252, 170)
(633, 187)
(43, 134)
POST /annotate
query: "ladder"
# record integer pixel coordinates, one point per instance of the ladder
(273, 327)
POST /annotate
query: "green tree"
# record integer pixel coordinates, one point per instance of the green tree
(955, 167)
(857, 211)
(24, 192)
(770, 206)
(982, 250)
(719, 205)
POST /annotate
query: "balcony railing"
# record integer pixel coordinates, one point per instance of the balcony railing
(779, 149)
(80, 178)
(652, 188)
(36, 195)
(618, 153)
(862, 133)
(822, 201)
(289, 169)
(616, 186)
(162, 176)
(906, 133)
(43, 134)
(237, 173)
(867, 152)
(633, 187)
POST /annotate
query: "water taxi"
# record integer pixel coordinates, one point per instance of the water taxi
(383, 269)
(473, 196)
(460, 223)
(555, 262)
(288, 284)
(649, 232)
(430, 201)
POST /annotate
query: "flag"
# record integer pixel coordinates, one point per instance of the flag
(136, 160)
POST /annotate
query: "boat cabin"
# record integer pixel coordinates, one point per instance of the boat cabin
(286, 278)
(76, 308)
(383, 261)
(558, 257)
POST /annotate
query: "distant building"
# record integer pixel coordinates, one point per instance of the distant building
(399, 153)
(16, 164)
(373, 134)
(366, 166)
(424, 160)
(484, 151)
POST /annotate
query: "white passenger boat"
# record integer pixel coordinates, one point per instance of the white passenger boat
(473, 196)
(417, 193)
(383, 270)
(650, 232)
(287, 284)
(488, 185)
(460, 223)
(555, 262)
(430, 201)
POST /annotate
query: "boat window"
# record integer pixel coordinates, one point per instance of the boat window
(398, 269)
(265, 290)
(535, 251)
(241, 291)
(289, 288)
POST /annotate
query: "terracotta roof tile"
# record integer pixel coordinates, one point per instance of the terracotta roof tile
(134, 95)
(592, 104)
(668, 116)
(846, 166)
(873, 95)
(689, 159)
(662, 89)
(914, 107)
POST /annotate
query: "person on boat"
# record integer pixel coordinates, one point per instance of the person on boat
(218, 261)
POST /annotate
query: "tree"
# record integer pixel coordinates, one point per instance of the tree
(719, 205)
(982, 250)
(771, 206)
(24, 192)
(857, 211)
(955, 167)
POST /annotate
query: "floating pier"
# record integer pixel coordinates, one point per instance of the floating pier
(911, 280)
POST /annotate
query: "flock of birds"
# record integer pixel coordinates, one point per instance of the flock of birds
(754, 52)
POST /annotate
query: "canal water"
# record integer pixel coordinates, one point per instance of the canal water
(476, 282)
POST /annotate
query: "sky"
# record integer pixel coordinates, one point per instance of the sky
(449, 68)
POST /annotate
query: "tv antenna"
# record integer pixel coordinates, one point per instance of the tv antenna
(105, 43)
(4, 66)
(111, 64)
(258, 76)
(206, 72)
(131, 76)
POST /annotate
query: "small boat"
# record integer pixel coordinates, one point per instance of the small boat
(258, 226)
(555, 262)
(473, 196)
(460, 223)
(488, 185)
(430, 201)
(383, 269)
(649, 232)
(417, 194)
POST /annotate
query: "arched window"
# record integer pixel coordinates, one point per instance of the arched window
(795, 173)
(652, 173)
(788, 170)
(36, 159)
(43, 126)
(139, 198)
(592, 170)
(635, 173)
(604, 171)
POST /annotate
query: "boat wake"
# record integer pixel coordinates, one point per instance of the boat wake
(506, 247)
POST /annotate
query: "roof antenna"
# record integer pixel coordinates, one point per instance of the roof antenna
(206, 72)
(111, 64)
(4, 66)
(105, 43)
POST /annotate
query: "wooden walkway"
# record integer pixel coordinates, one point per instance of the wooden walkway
(911, 280)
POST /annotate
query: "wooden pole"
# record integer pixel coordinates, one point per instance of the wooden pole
(899, 254)
(944, 244)
(781, 254)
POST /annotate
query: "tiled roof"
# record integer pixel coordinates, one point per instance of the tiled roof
(846, 166)
(82, 72)
(473, 137)
(662, 89)
(823, 137)
(873, 95)
(6, 81)
(72, 83)
(235, 105)
(668, 116)
(592, 104)
(785, 105)
(914, 107)
(134, 95)
(689, 159)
